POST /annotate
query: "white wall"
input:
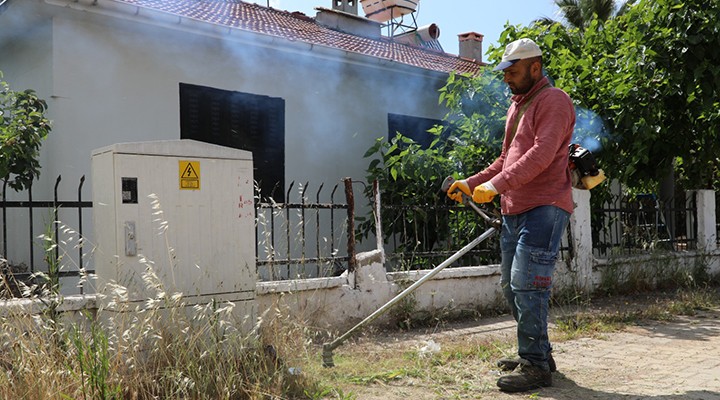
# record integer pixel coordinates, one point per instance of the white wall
(338, 303)
(117, 81)
(26, 62)
(112, 80)
(341, 302)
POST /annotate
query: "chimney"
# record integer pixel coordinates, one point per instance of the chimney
(348, 6)
(471, 46)
(348, 23)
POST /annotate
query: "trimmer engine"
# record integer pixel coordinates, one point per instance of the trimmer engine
(583, 168)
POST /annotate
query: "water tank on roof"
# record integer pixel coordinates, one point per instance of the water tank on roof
(386, 10)
(429, 32)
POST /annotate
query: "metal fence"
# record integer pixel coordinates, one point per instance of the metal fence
(422, 236)
(313, 232)
(65, 226)
(631, 225)
(425, 235)
(299, 238)
(305, 237)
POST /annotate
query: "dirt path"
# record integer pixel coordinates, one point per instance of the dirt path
(675, 360)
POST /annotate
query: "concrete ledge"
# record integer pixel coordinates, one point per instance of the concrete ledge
(448, 273)
(369, 257)
(601, 262)
(36, 306)
(298, 285)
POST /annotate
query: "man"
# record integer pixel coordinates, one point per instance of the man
(532, 176)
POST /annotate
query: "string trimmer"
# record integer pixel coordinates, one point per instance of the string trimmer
(494, 226)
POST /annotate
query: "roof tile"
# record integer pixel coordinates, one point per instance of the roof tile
(296, 26)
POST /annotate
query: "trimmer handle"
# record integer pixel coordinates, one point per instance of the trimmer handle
(467, 200)
(495, 222)
(447, 183)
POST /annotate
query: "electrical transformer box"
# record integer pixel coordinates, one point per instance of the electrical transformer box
(175, 216)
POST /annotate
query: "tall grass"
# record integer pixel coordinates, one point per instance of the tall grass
(166, 350)
(162, 348)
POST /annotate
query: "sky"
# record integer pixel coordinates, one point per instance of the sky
(453, 16)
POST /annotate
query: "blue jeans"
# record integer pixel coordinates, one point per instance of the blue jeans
(530, 243)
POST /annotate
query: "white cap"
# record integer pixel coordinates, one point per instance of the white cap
(518, 50)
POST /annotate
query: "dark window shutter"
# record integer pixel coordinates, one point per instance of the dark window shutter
(415, 128)
(243, 121)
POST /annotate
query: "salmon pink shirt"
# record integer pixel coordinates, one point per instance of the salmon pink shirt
(532, 169)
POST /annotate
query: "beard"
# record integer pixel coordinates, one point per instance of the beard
(524, 85)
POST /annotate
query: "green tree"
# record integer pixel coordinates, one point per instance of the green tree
(411, 175)
(579, 13)
(653, 76)
(650, 77)
(23, 126)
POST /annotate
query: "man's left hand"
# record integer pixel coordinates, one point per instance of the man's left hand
(484, 193)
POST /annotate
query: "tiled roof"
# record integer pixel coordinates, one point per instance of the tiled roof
(298, 27)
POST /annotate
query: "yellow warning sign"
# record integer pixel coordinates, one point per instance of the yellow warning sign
(189, 175)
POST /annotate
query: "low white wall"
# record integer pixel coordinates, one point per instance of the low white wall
(330, 303)
(338, 303)
(341, 302)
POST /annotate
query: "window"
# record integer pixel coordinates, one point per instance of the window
(415, 128)
(242, 121)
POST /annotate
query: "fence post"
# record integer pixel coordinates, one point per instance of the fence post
(706, 220)
(4, 218)
(581, 233)
(378, 219)
(351, 224)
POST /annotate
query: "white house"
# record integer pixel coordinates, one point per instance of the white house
(307, 95)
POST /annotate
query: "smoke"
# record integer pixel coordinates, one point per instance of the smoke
(590, 130)
(331, 104)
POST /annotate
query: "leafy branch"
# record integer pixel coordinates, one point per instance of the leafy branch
(23, 126)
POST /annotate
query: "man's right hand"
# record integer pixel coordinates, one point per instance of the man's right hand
(457, 189)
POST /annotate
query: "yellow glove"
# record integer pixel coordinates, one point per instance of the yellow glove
(457, 189)
(484, 193)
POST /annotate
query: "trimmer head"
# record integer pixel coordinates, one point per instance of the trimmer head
(327, 356)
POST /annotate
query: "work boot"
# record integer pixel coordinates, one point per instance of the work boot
(526, 377)
(509, 364)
